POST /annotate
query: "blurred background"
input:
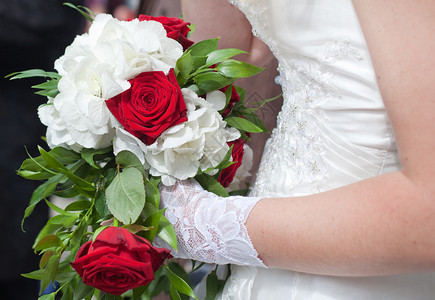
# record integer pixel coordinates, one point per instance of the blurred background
(33, 34)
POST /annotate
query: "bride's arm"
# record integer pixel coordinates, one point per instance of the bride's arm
(385, 224)
(218, 18)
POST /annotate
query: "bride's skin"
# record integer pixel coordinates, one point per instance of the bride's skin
(383, 225)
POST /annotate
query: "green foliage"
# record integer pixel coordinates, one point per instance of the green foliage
(126, 195)
(84, 11)
(243, 124)
(48, 88)
(179, 284)
(204, 68)
(211, 184)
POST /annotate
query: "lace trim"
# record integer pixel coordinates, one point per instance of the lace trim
(210, 228)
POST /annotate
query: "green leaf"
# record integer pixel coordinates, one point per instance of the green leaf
(58, 209)
(127, 159)
(107, 296)
(50, 296)
(66, 221)
(34, 175)
(174, 293)
(135, 228)
(48, 229)
(101, 204)
(49, 241)
(68, 293)
(228, 94)
(179, 284)
(50, 271)
(209, 183)
(67, 193)
(242, 124)
(167, 232)
(184, 64)
(211, 81)
(32, 73)
(137, 292)
(220, 55)
(79, 205)
(48, 85)
(45, 257)
(126, 195)
(37, 275)
(152, 193)
(212, 286)
(153, 217)
(88, 154)
(198, 61)
(225, 163)
(84, 185)
(65, 156)
(159, 285)
(48, 93)
(64, 277)
(196, 89)
(179, 270)
(192, 28)
(237, 69)
(82, 291)
(77, 236)
(37, 164)
(83, 12)
(254, 119)
(41, 192)
(203, 48)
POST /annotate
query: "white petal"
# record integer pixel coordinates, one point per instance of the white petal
(217, 99)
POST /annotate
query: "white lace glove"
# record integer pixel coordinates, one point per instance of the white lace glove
(209, 228)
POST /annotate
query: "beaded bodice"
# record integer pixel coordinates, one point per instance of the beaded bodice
(332, 129)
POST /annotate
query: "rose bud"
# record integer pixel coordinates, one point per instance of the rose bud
(227, 174)
(176, 28)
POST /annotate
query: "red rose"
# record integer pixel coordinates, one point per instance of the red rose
(234, 98)
(175, 28)
(227, 174)
(118, 261)
(151, 105)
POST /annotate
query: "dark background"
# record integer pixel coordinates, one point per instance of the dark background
(33, 33)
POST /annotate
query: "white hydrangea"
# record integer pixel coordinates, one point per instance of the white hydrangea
(97, 67)
(198, 143)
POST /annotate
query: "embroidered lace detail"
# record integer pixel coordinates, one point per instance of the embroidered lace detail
(209, 228)
(256, 13)
(306, 85)
(333, 51)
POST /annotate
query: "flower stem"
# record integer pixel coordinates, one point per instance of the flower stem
(115, 222)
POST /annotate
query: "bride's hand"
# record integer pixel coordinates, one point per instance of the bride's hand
(209, 228)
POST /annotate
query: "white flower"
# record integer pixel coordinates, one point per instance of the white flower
(97, 67)
(198, 143)
(217, 99)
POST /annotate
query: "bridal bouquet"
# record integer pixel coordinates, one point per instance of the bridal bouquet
(133, 104)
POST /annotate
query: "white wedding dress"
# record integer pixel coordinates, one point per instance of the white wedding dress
(333, 130)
